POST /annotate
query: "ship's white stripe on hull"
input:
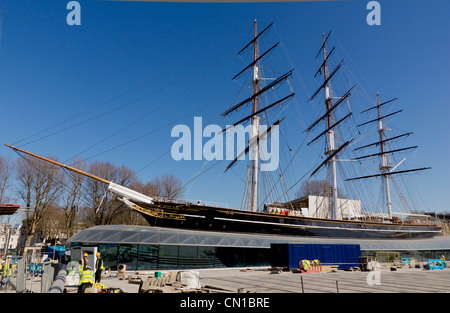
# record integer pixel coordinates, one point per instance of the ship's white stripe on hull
(325, 227)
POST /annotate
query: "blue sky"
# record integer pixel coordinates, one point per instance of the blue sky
(158, 63)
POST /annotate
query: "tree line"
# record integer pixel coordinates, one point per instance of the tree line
(56, 201)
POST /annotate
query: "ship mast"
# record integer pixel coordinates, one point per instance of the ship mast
(255, 126)
(257, 90)
(384, 167)
(331, 147)
(386, 170)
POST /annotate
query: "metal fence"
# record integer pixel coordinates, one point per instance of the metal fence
(24, 276)
(21, 275)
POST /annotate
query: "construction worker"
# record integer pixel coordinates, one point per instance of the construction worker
(2, 268)
(6, 272)
(100, 287)
(98, 268)
(14, 269)
(305, 265)
(86, 280)
(83, 263)
(316, 265)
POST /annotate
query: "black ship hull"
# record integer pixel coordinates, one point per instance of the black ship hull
(199, 217)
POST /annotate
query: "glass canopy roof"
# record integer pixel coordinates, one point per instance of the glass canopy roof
(130, 234)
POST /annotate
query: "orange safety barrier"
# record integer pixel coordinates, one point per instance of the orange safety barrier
(316, 266)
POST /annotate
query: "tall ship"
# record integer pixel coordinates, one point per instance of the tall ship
(329, 214)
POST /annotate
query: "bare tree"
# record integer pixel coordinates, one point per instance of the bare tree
(167, 186)
(149, 189)
(316, 188)
(5, 174)
(39, 186)
(6, 170)
(73, 197)
(102, 207)
(53, 224)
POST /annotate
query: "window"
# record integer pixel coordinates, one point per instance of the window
(147, 257)
(168, 257)
(127, 254)
(206, 257)
(188, 257)
(109, 255)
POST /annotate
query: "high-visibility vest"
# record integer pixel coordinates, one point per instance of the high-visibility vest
(6, 270)
(87, 276)
(99, 286)
(306, 264)
(99, 264)
(83, 265)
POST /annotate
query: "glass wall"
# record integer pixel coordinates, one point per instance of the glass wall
(419, 255)
(165, 257)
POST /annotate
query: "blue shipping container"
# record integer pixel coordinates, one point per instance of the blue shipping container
(289, 255)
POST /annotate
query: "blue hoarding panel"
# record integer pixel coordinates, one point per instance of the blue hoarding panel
(289, 255)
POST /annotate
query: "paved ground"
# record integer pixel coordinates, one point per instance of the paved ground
(384, 281)
(262, 281)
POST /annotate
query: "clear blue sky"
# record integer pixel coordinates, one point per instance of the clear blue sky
(178, 57)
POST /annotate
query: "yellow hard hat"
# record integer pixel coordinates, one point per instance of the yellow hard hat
(98, 253)
(85, 254)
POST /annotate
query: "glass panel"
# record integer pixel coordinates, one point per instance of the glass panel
(168, 257)
(147, 257)
(188, 257)
(229, 257)
(251, 257)
(241, 257)
(264, 257)
(206, 256)
(238, 257)
(127, 255)
(109, 255)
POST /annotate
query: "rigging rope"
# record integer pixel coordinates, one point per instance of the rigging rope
(223, 63)
(164, 72)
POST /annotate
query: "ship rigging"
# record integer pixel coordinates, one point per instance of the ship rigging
(291, 220)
